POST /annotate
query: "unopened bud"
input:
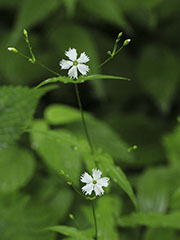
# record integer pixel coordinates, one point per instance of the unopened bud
(135, 147)
(69, 183)
(109, 53)
(71, 216)
(120, 34)
(61, 172)
(126, 42)
(12, 49)
(25, 33)
(119, 37)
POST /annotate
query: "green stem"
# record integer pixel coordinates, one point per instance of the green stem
(39, 63)
(48, 69)
(108, 59)
(95, 221)
(82, 117)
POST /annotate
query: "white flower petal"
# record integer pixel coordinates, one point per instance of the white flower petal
(103, 182)
(83, 58)
(71, 54)
(73, 72)
(96, 174)
(86, 178)
(65, 64)
(98, 190)
(83, 69)
(88, 188)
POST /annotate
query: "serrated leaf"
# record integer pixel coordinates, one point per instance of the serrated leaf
(17, 106)
(61, 114)
(106, 164)
(16, 168)
(81, 79)
(69, 232)
(171, 220)
(57, 148)
(31, 13)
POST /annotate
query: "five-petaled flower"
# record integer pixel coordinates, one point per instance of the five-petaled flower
(94, 183)
(75, 63)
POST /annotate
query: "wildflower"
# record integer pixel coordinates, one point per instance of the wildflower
(74, 64)
(94, 183)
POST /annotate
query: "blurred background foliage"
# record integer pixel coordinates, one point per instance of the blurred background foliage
(142, 112)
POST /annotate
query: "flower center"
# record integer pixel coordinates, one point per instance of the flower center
(75, 63)
(94, 181)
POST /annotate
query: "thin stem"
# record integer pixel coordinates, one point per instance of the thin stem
(108, 59)
(82, 117)
(95, 221)
(39, 63)
(48, 69)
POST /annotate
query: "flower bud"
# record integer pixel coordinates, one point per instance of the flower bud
(12, 49)
(126, 42)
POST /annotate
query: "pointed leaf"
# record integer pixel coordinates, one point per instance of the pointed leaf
(81, 79)
(171, 220)
(108, 168)
(69, 232)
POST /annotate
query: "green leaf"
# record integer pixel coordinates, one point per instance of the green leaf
(70, 6)
(106, 222)
(160, 233)
(171, 220)
(171, 142)
(17, 106)
(105, 10)
(20, 219)
(106, 164)
(99, 133)
(57, 148)
(31, 13)
(69, 232)
(154, 188)
(16, 168)
(61, 114)
(158, 74)
(81, 79)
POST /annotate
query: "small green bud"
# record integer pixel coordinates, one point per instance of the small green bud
(119, 37)
(61, 172)
(25, 33)
(126, 42)
(120, 34)
(71, 216)
(12, 49)
(135, 147)
(109, 53)
(69, 183)
(178, 119)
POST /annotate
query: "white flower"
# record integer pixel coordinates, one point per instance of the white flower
(75, 63)
(94, 183)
